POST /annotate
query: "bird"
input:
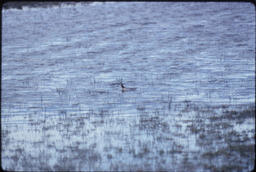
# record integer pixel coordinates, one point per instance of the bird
(126, 89)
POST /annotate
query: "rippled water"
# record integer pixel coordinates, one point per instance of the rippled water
(67, 60)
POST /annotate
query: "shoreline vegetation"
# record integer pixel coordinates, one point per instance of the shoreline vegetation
(34, 4)
(223, 139)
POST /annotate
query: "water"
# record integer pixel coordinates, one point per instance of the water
(69, 60)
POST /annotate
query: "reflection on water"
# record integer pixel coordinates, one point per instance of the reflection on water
(192, 65)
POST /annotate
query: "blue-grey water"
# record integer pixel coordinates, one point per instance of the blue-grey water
(68, 61)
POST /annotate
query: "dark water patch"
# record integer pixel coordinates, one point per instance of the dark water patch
(20, 5)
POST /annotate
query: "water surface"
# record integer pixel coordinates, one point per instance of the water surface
(187, 61)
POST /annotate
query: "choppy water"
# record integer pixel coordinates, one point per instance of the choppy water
(68, 60)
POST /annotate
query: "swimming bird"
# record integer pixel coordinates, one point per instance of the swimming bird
(126, 89)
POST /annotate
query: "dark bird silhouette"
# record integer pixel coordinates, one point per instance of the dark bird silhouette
(126, 89)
